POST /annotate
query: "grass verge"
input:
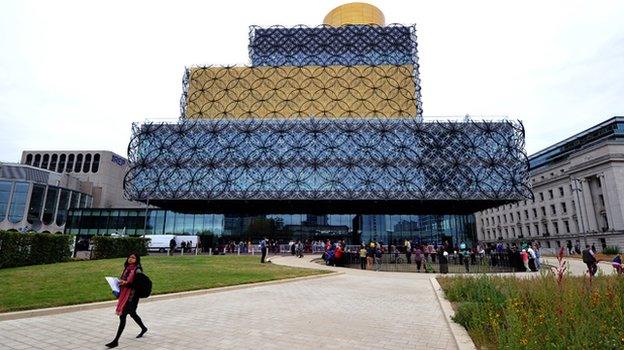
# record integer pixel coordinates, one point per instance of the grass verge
(537, 313)
(41, 286)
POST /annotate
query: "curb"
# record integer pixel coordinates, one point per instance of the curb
(460, 334)
(111, 303)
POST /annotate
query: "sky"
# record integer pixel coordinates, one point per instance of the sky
(75, 75)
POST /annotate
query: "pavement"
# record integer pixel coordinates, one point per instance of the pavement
(355, 309)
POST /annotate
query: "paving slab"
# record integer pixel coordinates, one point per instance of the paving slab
(357, 309)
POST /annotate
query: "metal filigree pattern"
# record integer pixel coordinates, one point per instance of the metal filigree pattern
(292, 92)
(324, 45)
(327, 159)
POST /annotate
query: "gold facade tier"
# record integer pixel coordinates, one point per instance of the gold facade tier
(354, 13)
(308, 91)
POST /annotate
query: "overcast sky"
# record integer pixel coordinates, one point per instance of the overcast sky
(75, 75)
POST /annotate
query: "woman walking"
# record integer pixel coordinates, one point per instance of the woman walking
(128, 300)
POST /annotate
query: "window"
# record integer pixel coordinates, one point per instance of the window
(541, 195)
(96, 163)
(534, 213)
(543, 211)
(5, 194)
(563, 207)
(70, 163)
(87, 163)
(601, 198)
(78, 163)
(561, 191)
(536, 230)
(36, 204)
(548, 244)
(550, 194)
(50, 205)
(518, 215)
(526, 214)
(505, 217)
(53, 161)
(46, 159)
(567, 226)
(506, 233)
(61, 215)
(37, 160)
(556, 227)
(29, 159)
(18, 202)
(552, 209)
(513, 232)
(61, 166)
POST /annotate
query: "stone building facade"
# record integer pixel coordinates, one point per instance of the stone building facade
(578, 187)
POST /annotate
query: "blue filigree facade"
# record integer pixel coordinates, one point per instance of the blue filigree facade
(247, 134)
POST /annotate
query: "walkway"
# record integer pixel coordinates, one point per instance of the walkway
(356, 309)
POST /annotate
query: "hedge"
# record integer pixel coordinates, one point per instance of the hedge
(106, 247)
(22, 249)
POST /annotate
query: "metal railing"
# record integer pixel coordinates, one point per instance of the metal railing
(434, 263)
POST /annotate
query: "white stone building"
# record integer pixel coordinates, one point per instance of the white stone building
(578, 187)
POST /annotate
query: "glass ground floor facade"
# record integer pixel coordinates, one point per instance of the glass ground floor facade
(213, 228)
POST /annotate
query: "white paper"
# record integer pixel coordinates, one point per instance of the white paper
(113, 282)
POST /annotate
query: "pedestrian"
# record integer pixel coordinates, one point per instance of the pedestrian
(172, 245)
(590, 260)
(263, 249)
(525, 259)
(408, 251)
(362, 257)
(418, 257)
(378, 257)
(569, 245)
(128, 299)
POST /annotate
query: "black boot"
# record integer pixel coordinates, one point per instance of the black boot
(112, 344)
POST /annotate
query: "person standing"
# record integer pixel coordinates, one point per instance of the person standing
(128, 299)
(418, 257)
(362, 254)
(408, 251)
(172, 245)
(263, 249)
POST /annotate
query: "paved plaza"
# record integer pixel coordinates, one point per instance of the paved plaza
(357, 309)
(353, 309)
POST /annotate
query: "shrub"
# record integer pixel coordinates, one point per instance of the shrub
(22, 249)
(105, 247)
(611, 250)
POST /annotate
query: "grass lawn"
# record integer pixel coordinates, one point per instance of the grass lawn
(538, 313)
(41, 286)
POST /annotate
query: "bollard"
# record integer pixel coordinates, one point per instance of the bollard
(238, 251)
(209, 251)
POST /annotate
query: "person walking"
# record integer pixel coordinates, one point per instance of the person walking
(263, 249)
(418, 257)
(408, 251)
(128, 300)
(590, 260)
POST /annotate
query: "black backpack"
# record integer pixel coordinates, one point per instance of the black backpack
(587, 257)
(142, 285)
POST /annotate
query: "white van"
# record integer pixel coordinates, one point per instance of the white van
(160, 243)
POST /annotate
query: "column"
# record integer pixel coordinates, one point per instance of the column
(605, 196)
(589, 205)
(578, 206)
(612, 199)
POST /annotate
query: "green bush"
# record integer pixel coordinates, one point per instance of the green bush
(22, 249)
(611, 250)
(105, 247)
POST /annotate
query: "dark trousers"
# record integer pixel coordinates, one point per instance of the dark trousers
(408, 256)
(418, 262)
(362, 263)
(592, 268)
(130, 309)
(264, 253)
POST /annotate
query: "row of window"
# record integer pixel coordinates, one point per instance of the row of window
(63, 163)
(47, 204)
(496, 220)
(528, 230)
